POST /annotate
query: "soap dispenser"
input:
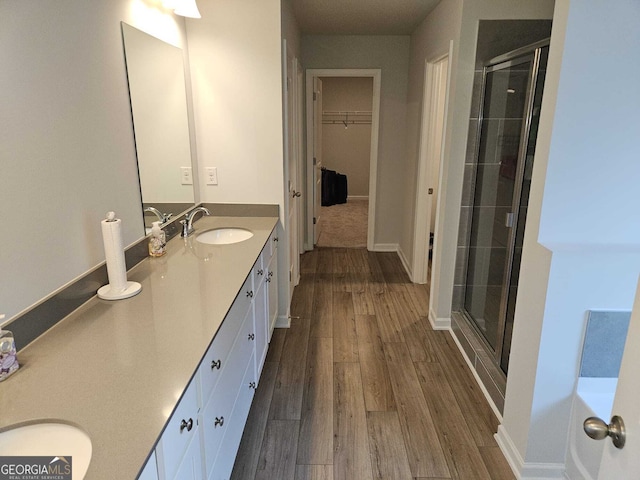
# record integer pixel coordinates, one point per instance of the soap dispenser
(158, 241)
(8, 358)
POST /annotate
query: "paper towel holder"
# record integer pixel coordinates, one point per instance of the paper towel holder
(118, 287)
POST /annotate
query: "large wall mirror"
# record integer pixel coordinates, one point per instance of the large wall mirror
(157, 90)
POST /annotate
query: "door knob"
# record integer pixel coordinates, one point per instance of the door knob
(597, 429)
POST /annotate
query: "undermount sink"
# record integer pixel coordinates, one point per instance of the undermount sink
(224, 236)
(56, 440)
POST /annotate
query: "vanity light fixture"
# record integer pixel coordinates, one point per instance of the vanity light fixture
(187, 8)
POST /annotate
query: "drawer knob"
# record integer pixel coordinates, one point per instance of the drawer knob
(260, 272)
(270, 274)
(219, 421)
(252, 385)
(250, 294)
(188, 425)
(216, 364)
(275, 239)
(252, 336)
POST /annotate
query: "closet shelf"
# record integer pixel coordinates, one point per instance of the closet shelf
(345, 118)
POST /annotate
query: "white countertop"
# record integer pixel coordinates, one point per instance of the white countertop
(117, 369)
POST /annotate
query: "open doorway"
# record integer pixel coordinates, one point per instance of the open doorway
(346, 155)
(342, 144)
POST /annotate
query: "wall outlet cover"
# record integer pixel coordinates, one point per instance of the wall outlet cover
(212, 175)
(186, 177)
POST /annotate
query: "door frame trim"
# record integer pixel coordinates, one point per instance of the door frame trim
(376, 74)
(421, 230)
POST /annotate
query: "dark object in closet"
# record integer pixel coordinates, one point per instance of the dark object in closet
(341, 188)
(333, 188)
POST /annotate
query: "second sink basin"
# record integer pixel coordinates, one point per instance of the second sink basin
(49, 439)
(224, 236)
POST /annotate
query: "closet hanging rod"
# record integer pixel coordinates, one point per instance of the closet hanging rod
(344, 112)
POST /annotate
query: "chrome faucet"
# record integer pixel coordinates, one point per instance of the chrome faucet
(187, 223)
(163, 217)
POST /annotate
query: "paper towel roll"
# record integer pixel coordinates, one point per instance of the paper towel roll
(118, 286)
(114, 253)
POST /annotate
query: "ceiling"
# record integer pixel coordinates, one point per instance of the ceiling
(361, 17)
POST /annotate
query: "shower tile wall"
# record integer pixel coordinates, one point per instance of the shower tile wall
(470, 168)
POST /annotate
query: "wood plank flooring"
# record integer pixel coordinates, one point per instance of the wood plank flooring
(361, 388)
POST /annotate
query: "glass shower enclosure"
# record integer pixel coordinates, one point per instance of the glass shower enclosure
(508, 124)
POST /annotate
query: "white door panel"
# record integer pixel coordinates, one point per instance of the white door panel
(624, 464)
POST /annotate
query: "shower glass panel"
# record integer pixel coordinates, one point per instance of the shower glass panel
(512, 93)
(505, 96)
(522, 209)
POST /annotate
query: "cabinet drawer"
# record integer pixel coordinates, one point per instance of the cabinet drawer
(217, 415)
(180, 431)
(216, 357)
(233, 435)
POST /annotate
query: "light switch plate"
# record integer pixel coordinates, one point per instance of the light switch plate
(186, 176)
(212, 175)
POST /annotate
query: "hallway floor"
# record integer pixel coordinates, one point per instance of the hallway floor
(360, 387)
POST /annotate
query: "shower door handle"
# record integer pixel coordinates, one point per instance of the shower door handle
(509, 219)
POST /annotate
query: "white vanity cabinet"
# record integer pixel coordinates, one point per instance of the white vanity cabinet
(202, 437)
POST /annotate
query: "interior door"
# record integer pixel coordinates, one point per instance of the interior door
(293, 189)
(624, 464)
(317, 155)
(301, 154)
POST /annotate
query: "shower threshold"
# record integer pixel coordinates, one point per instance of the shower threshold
(480, 359)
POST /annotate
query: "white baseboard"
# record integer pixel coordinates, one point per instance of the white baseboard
(357, 197)
(385, 247)
(522, 470)
(439, 323)
(283, 321)
(405, 263)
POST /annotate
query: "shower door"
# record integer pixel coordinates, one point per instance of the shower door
(512, 93)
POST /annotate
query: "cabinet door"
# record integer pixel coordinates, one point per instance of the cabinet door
(217, 415)
(215, 359)
(180, 432)
(150, 471)
(191, 466)
(272, 282)
(233, 435)
(261, 326)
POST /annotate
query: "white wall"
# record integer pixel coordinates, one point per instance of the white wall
(66, 138)
(235, 55)
(601, 129)
(348, 150)
(391, 55)
(586, 262)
